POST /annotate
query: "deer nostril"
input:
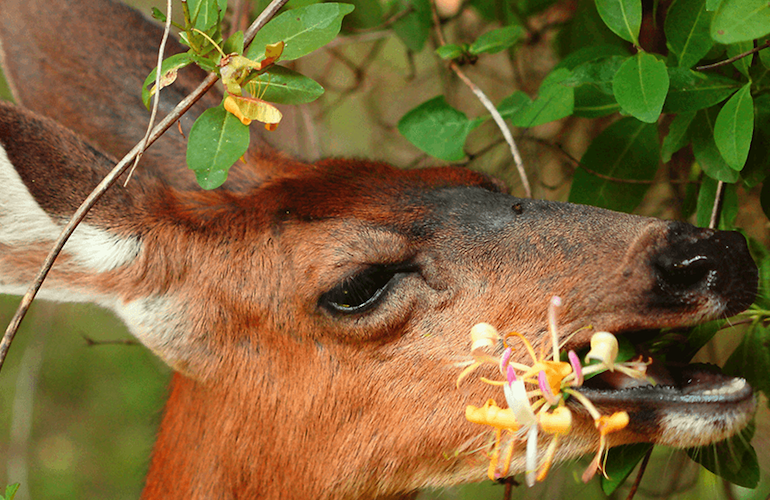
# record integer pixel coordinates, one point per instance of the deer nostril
(702, 265)
(686, 273)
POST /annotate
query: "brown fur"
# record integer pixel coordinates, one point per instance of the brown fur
(277, 396)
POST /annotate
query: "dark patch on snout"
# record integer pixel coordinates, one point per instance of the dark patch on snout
(696, 263)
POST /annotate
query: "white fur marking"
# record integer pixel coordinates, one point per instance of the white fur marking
(23, 222)
(161, 324)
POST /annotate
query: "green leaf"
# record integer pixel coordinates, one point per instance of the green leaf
(590, 54)
(413, 29)
(302, 30)
(623, 17)
(640, 86)
(677, 136)
(586, 29)
(712, 5)
(554, 101)
(284, 86)
(734, 128)
(697, 338)
(494, 41)
(158, 15)
(204, 13)
(234, 43)
(764, 54)
(626, 150)
(217, 140)
(751, 359)
(593, 86)
(168, 68)
(687, 31)
(705, 149)
(692, 90)
(10, 491)
(367, 14)
(707, 195)
(744, 63)
(621, 461)
(513, 104)
(449, 51)
(761, 256)
(740, 21)
(733, 459)
(437, 128)
(764, 199)
(598, 73)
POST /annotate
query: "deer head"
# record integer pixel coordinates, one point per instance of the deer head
(316, 315)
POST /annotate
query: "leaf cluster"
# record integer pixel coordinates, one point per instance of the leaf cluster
(252, 80)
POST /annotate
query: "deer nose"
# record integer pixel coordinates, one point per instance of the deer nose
(699, 262)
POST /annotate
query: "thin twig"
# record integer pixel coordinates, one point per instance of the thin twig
(639, 475)
(96, 343)
(734, 58)
(156, 97)
(113, 176)
(487, 104)
(716, 210)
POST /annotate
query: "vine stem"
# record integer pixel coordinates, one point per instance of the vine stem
(734, 58)
(156, 97)
(482, 97)
(110, 179)
(716, 210)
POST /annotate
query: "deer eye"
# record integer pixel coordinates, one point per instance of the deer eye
(362, 291)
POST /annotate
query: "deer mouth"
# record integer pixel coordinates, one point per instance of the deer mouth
(678, 404)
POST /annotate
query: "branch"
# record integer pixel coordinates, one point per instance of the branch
(487, 104)
(113, 176)
(734, 58)
(156, 97)
(716, 210)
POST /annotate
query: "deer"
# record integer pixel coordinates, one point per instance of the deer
(315, 314)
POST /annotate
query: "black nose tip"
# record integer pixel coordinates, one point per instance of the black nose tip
(699, 263)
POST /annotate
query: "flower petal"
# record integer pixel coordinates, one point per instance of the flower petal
(531, 455)
(545, 388)
(553, 306)
(577, 369)
(505, 358)
(518, 401)
(511, 374)
(604, 348)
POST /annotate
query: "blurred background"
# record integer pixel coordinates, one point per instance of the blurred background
(79, 403)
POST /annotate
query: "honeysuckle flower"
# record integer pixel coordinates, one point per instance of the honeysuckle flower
(604, 348)
(574, 361)
(605, 424)
(545, 388)
(543, 408)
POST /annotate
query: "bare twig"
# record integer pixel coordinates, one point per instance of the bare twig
(638, 480)
(734, 58)
(96, 343)
(716, 211)
(156, 97)
(113, 176)
(487, 104)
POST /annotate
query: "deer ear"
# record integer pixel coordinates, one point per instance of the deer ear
(84, 64)
(46, 171)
